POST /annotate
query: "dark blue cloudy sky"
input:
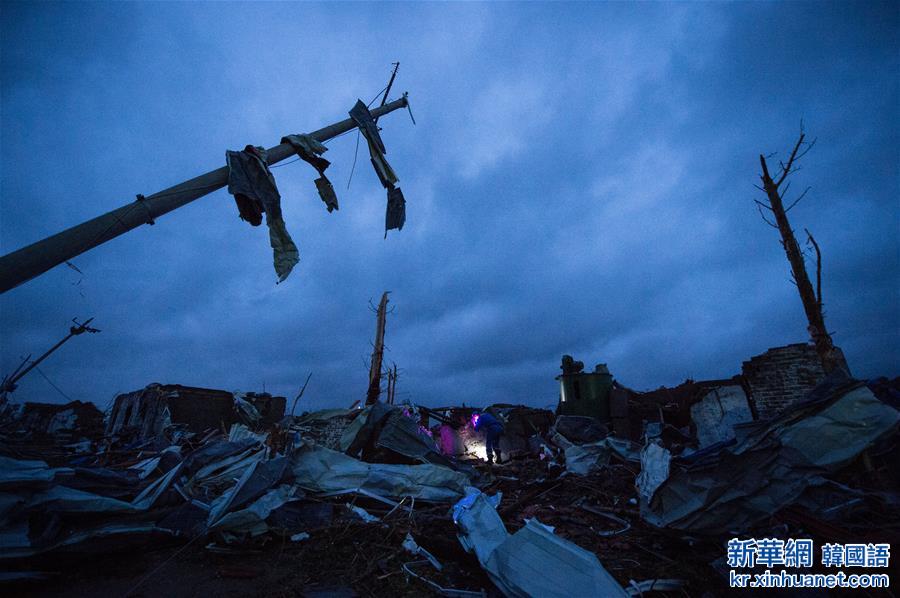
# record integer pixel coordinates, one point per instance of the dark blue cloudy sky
(580, 181)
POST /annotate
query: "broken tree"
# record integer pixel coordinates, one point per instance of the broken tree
(831, 357)
(377, 353)
(392, 384)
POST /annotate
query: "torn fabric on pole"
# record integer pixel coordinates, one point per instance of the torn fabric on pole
(251, 183)
(310, 151)
(395, 214)
(395, 217)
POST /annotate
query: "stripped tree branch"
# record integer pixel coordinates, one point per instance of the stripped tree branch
(809, 146)
(796, 201)
(786, 170)
(763, 216)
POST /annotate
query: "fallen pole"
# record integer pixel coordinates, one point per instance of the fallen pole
(33, 260)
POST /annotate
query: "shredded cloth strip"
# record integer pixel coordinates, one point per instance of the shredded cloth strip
(251, 183)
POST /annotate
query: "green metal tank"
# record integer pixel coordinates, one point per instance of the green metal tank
(585, 393)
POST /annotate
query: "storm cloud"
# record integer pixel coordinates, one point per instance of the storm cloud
(579, 180)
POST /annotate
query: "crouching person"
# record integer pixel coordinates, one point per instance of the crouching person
(493, 430)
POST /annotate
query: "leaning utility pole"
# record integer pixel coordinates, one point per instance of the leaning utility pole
(377, 353)
(35, 259)
(9, 382)
(831, 358)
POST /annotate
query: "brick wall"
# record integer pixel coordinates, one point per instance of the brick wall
(781, 376)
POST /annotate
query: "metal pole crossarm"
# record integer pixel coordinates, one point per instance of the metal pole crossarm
(28, 262)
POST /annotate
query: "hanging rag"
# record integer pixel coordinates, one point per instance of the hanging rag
(251, 183)
(395, 215)
(396, 210)
(310, 150)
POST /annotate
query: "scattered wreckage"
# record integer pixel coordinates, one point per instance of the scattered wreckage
(398, 500)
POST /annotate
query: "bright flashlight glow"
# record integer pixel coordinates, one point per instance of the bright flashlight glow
(477, 449)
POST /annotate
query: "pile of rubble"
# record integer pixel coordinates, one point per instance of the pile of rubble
(199, 485)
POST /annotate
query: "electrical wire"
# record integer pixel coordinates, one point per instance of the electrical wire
(338, 136)
(284, 163)
(376, 96)
(50, 382)
(355, 155)
(133, 206)
(204, 187)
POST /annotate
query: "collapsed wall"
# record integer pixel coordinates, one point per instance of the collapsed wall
(710, 410)
(150, 410)
(781, 377)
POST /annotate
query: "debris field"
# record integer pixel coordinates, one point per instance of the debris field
(180, 491)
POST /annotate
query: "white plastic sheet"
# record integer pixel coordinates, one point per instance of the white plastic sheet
(319, 469)
(533, 561)
(654, 470)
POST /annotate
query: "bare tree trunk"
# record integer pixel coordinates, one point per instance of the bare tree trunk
(831, 358)
(393, 378)
(377, 354)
